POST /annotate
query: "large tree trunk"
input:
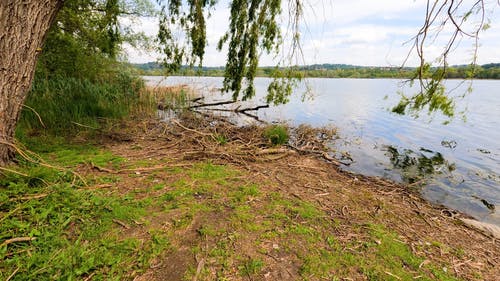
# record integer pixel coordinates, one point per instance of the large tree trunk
(23, 26)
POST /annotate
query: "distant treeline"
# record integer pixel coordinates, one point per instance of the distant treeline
(486, 71)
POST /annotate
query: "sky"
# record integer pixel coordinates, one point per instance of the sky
(357, 32)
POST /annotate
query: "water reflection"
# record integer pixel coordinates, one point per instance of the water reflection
(416, 166)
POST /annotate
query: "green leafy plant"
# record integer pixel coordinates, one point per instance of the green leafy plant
(220, 139)
(277, 134)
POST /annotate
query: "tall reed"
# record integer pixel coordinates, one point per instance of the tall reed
(63, 105)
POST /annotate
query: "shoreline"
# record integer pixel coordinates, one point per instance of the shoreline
(350, 199)
(479, 206)
(200, 199)
(403, 79)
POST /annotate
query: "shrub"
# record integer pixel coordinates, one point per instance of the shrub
(277, 134)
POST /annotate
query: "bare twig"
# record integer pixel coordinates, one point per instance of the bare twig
(211, 104)
(12, 274)
(124, 225)
(84, 126)
(38, 196)
(201, 263)
(13, 171)
(36, 113)
(16, 240)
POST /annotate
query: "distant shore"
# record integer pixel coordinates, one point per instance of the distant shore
(486, 71)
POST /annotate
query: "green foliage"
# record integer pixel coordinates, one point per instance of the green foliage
(78, 81)
(251, 267)
(84, 39)
(432, 96)
(73, 229)
(253, 29)
(174, 18)
(277, 134)
(252, 25)
(66, 105)
(220, 139)
(487, 71)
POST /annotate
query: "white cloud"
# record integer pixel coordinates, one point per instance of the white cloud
(362, 32)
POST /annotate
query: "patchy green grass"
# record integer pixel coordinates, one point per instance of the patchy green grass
(238, 227)
(251, 267)
(74, 231)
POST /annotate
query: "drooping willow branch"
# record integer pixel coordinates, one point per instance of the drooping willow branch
(254, 29)
(453, 20)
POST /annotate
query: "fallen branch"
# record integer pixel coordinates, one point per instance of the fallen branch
(191, 130)
(138, 170)
(104, 185)
(253, 117)
(13, 171)
(16, 240)
(320, 153)
(84, 126)
(197, 99)
(198, 269)
(273, 151)
(211, 104)
(36, 159)
(102, 169)
(251, 108)
(12, 274)
(393, 275)
(124, 225)
(38, 196)
(12, 212)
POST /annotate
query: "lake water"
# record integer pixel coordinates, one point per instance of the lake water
(460, 162)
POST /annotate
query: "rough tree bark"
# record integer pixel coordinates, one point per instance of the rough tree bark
(23, 27)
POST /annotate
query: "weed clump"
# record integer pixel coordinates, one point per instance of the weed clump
(277, 134)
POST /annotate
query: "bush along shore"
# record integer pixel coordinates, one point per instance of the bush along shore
(126, 195)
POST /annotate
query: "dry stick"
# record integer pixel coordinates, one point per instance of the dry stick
(194, 131)
(393, 275)
(145, 169)
(11, 212)
(124, 225)
(198, 269)
(256, 118)
(104, 185)
(17, 239)
(190, 130)
(197, 99)
(273, 151)
(36, 113)
(90, 276)
(210, 104)
(13, 171)
(85, 126)
(38, 160)
(251, 108)
(13, 273)
(30, 197)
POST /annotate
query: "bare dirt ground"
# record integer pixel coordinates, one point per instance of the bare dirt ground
(212, 245)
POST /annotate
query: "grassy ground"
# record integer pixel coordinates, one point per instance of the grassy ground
(170, 202)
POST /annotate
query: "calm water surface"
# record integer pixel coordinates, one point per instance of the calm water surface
(460, 161)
